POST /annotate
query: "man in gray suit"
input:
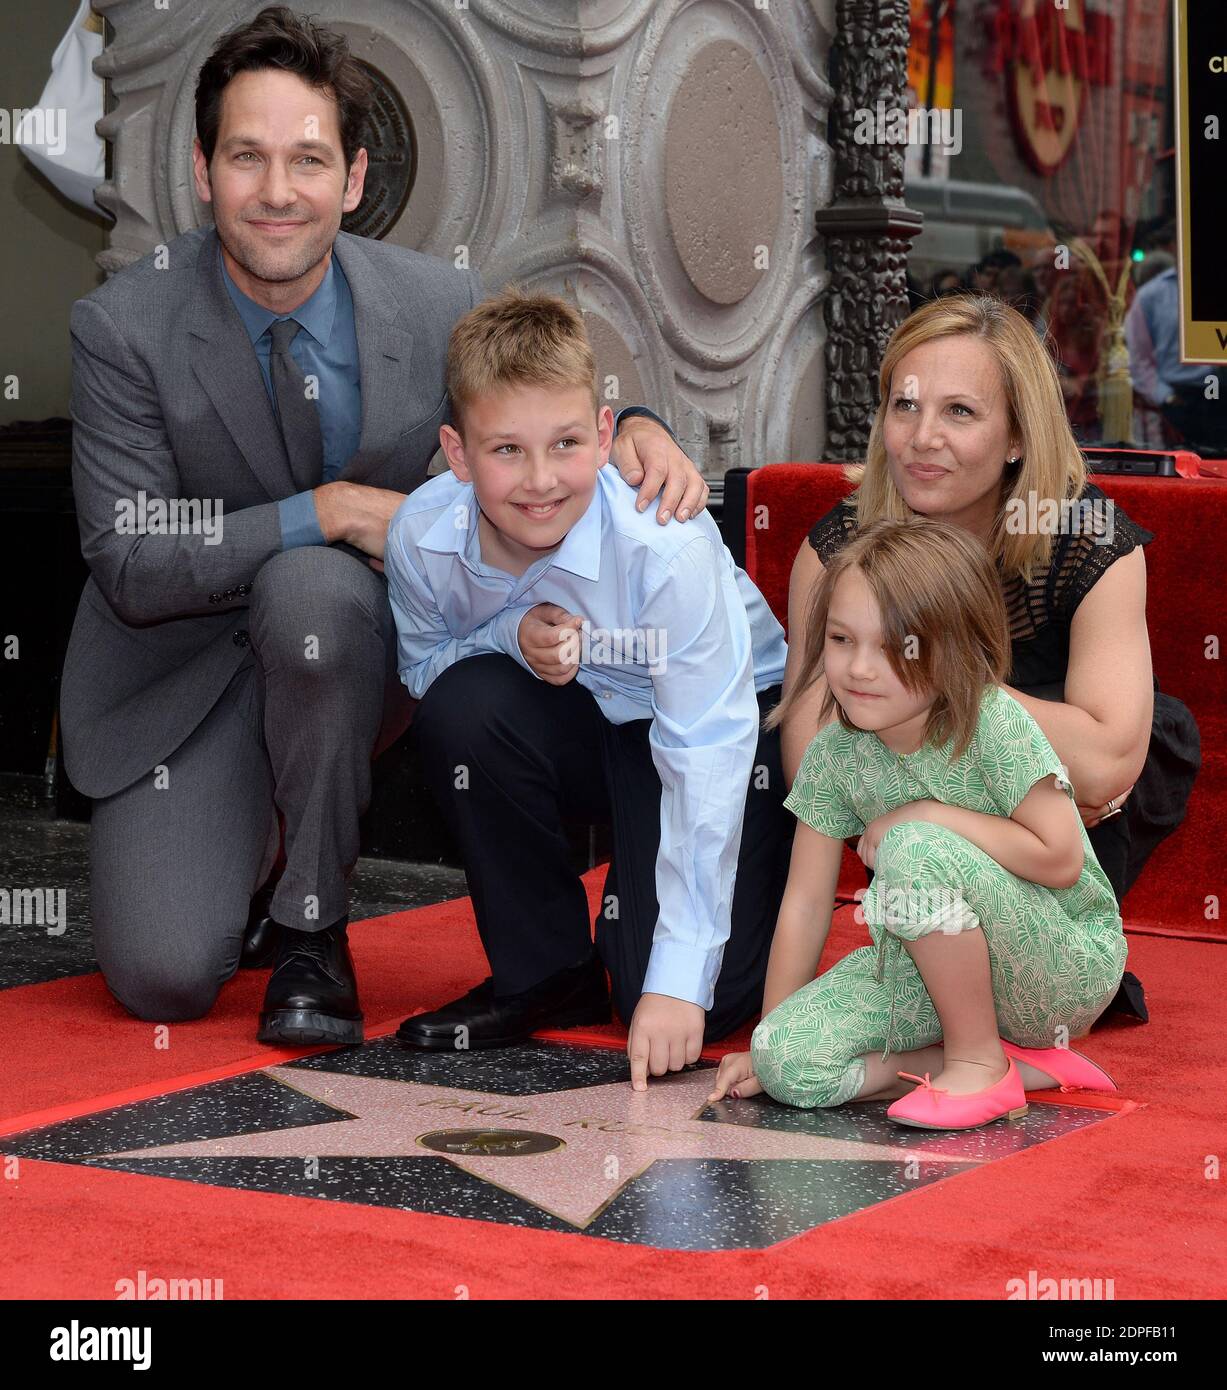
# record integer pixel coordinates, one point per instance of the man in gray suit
(250, 404)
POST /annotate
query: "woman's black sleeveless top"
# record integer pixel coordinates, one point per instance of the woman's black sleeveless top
(1041, 612)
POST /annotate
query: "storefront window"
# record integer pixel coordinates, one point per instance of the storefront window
(1043, 161)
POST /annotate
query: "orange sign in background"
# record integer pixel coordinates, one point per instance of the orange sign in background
(1050, 56)
(918, 55)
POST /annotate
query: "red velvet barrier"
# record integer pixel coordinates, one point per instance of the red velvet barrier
(1185, 566)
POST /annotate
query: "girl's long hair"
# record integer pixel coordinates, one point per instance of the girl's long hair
(944, 625)
(1052, 464)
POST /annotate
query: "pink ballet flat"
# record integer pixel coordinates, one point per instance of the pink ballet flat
(928, 1107)
(1070, 1070)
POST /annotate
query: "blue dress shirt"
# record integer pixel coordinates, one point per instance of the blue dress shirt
(1159, 302)
(708, 643)
(327, 348)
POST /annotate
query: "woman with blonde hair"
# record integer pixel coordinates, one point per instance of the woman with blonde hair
(971, 430)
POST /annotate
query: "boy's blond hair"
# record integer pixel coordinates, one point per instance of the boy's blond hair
(518, 339)
(944, 625)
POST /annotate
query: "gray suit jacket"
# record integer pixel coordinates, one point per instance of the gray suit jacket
(167, 397)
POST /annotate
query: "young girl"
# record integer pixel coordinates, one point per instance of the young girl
(996, 934)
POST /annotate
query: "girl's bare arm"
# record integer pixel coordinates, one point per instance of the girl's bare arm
(1041, 841)
(805, 915)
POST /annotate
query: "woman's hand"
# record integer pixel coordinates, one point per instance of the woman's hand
(735, 1077)
(646, 457)
(1092, 815)
(867, 845)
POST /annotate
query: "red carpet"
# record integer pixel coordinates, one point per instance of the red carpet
(1127, 1199)
(1135, 1198)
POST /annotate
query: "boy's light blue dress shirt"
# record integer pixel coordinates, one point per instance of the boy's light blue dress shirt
(707, 631)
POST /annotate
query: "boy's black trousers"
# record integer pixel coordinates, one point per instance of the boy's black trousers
(511, 760)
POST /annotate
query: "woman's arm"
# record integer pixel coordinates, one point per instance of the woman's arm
(805, 915)
(1102, 731)
(802, 722)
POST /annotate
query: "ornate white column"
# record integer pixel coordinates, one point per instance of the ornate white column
(660, 162)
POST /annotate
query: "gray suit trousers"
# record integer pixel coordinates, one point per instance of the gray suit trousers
(176, 856)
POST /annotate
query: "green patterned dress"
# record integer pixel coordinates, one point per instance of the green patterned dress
(1057, 954)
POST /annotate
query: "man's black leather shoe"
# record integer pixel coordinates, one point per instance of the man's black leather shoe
(479, 1018)
(312, 995)
(262, 935)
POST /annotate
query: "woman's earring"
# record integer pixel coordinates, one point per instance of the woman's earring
(1014, 462)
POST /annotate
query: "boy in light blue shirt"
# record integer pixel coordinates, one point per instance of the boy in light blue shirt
(575, 660)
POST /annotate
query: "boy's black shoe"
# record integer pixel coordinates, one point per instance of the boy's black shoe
(312, 995)
(567, 999)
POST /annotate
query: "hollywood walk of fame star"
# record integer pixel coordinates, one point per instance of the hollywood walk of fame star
(609, 1135)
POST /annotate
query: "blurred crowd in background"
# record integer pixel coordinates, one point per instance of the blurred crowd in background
(1176, 405)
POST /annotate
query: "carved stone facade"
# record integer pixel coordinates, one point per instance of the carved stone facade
(659, 162)
(867, 227)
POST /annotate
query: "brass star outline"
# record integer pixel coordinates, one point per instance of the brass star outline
(610, 1134)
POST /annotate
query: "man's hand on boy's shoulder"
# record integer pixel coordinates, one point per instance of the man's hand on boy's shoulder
(665, 1035)
(357, 514)
(647, 457)
(546, 645)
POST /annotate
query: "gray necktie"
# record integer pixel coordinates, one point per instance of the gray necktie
(300, 418)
